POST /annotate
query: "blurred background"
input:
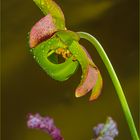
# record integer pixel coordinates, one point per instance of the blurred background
(26, 88)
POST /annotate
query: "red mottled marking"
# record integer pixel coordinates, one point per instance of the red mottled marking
(42, 30)
(90, 79)
(88, 83)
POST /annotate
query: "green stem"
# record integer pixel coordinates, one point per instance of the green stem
(115, 81)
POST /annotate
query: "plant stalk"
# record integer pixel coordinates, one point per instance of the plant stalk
(115, 81)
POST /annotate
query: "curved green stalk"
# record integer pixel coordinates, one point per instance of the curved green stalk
(115, 81)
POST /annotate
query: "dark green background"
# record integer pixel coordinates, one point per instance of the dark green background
(26, 88)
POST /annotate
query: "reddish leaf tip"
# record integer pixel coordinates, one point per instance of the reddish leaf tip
(97, 88)
(88, 83)
(42, 30)
(95, 96)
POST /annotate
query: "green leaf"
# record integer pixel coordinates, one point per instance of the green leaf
(50, 7)
(68, 36)
(91, 78)
(96, 91)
